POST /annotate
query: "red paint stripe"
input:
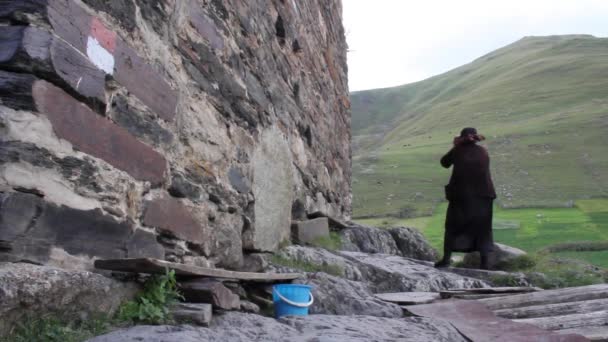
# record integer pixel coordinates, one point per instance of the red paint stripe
(104, 36)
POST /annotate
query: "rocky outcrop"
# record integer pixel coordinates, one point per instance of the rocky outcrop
(240, 327)
(29, 291)
(412, 244)
(184, 130)
(403, 241)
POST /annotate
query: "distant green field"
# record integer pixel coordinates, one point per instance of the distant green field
(542, 102)
(529, 229)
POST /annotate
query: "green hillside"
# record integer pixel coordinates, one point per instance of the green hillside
(542, 102)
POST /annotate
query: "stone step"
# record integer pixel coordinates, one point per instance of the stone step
(209, 291)
(195, 313)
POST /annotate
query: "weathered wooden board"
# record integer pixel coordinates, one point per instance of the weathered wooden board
(573, 294)
(469, 296)
(559, 309)
(478, 323)
(486, 292)
(597, 318)
(409, 298)
(599, 333)
(155, 266)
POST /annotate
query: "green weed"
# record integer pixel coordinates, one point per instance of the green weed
(152, 305)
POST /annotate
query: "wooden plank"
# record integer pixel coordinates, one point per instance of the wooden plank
(486, 290)
(559, 309)
(477, 296)
(572, 294)
(596, 333)
(477, 323)
(155, 266)
(597, 318)
(409, 298)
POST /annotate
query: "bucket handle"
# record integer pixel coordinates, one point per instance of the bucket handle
(299, 305)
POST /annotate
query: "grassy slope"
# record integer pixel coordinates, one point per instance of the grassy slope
(542, 102)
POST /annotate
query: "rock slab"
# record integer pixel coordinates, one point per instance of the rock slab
(242, 327)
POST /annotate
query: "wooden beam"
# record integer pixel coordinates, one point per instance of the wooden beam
(486, 292)
(408, 298)
(573, 294)
(597, 318)
(155, 266)
(554, 309)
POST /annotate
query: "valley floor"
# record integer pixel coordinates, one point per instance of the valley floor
(580, 232)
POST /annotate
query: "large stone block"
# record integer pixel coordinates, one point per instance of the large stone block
(303, 232)
(102, 46)
(171, 215)
(144, 82)
(35, 230)
(209, 291)
(30, 49)
(273, 192)
(97, 136)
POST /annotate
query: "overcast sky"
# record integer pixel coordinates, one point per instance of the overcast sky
(393, 42)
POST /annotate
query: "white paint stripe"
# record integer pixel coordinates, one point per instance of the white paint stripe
(101, 57)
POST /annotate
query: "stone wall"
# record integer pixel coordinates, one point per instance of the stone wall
(189, 130)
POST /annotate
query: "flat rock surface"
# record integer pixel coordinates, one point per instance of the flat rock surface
(409, 297)
(478, 323)
(237, 327)
(390, 273)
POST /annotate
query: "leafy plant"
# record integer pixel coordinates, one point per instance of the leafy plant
(152, 305)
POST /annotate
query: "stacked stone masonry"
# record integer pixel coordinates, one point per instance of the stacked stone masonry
(183, 130)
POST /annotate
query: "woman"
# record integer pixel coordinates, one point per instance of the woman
(470, 192)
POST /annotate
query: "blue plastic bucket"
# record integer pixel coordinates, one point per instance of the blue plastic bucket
(291, 299)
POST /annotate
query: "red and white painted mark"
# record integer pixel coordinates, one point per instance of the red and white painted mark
(101, 44)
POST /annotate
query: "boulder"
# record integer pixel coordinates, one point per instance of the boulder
(412, 244)
(338, 296)
(357, 238)
(241, 327)
(501, 255)
(28, 290)
(308, 231)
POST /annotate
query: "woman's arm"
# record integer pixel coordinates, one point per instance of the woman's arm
(448, 159)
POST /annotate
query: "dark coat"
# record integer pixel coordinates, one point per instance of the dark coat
(471, 174)
(468, 224)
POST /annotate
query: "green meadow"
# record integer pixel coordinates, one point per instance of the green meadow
(580, 232)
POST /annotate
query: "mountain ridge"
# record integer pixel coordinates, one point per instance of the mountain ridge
(536, 84)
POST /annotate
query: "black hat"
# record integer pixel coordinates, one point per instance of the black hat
(468, 131)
